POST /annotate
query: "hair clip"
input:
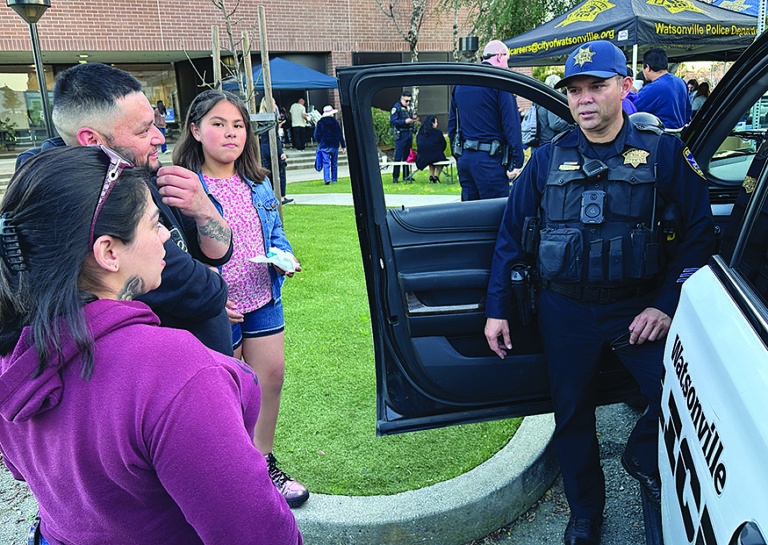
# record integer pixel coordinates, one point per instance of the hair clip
(10, 249)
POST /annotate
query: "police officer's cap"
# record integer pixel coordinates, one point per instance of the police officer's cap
(599, 59)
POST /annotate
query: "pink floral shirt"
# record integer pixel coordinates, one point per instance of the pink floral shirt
(249, 283)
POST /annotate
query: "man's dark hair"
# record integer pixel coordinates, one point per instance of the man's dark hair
(405, 93)
(51, 200)
(655, 59)
(85, 96)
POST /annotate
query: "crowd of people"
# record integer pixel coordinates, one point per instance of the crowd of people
(133, 290)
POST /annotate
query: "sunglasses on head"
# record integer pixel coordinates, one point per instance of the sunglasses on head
(116, 166)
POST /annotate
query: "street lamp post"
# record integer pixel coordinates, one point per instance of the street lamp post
(31, 11)
(468, 46)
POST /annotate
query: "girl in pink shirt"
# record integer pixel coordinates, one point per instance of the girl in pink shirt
(218, 144)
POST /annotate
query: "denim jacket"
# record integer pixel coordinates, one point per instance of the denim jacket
(266, 205)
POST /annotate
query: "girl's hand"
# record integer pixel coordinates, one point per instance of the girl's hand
(234, 316)
(281, 272)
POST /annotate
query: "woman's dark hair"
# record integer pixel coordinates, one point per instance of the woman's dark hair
(161, 107)
(188, 152)
(426, 126)
(693, 83)
(50, 204)
(702, 90)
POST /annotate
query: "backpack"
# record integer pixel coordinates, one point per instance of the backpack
(529, 127)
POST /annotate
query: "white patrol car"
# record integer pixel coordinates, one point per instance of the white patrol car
(713, 438)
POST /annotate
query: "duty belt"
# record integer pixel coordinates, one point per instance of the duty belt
(475, 145)
(592, 294)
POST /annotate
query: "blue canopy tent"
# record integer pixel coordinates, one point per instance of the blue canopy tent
(287, 75)
(686, 29)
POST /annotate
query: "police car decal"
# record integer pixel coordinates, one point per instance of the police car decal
(678, 446)
(692, 162)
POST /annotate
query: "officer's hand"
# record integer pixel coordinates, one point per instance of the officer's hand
(650, 325)
(495, 328)
(409, 121)
(514, 173)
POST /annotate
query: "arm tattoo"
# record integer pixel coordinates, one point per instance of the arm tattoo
(133, 287)
(215, 230)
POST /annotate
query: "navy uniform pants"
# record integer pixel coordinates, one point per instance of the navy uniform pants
(481, 176)
(402, 149)
(574, 334)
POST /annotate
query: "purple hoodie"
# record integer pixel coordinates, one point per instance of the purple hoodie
(155, 448)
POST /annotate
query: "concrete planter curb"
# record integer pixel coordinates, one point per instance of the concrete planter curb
(453, 512)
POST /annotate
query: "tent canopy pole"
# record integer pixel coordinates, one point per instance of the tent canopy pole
(634, 61)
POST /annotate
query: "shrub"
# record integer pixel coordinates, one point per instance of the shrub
(381, 128)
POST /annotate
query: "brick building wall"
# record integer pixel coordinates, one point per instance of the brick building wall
(175, 26)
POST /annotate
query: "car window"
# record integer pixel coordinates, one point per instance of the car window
(735, 154)
(406, 151)
(752, 260)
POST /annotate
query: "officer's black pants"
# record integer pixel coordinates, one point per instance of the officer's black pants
(481, 176)
(574, 334)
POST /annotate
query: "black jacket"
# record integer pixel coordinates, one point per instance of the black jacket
(191, 295)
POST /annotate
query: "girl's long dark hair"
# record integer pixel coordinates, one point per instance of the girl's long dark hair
(50, 202)
(189, 152)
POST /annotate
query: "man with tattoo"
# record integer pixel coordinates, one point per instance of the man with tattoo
(96, 104)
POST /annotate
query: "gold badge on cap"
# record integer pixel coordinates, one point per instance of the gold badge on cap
(584, 56)
(635, 157)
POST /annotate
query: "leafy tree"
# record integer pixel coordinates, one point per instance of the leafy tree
(503, 19)
(407, 21)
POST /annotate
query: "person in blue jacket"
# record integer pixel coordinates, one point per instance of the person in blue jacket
(665, 95)
(329, 138)
(485, 124)
(402, 119)
(609, 277)
(96, 104)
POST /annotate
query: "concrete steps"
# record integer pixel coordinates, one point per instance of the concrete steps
(306, 159)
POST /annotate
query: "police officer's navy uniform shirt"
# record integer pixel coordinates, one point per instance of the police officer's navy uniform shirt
(667, 99)
(677, 182)
(485, 115)
(397, 118)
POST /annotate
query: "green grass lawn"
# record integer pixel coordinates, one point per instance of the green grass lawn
(326, 431)
(420, 186)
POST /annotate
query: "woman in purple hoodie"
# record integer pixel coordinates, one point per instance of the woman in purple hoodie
(125, 432)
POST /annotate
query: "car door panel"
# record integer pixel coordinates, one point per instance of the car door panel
(427, 270)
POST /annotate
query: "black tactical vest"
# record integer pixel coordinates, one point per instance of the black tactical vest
(600, 232)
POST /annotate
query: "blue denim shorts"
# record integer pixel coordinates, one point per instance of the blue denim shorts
(262, 322)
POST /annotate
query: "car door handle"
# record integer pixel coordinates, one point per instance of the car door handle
(416, 307)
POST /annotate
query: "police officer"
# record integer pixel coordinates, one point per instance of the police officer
(486, 123)
(402, 119)
(599, 192)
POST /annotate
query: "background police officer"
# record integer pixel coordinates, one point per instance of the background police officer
(487, 124)
(599, 191)
(403, 122)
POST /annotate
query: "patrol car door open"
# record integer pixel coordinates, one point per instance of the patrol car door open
(427, 268)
